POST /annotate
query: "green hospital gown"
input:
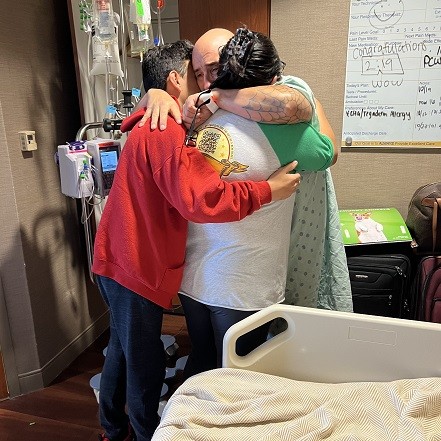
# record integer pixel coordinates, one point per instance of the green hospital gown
(318, 275)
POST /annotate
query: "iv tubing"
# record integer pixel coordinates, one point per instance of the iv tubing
(91, 78)
(107, 78)
(123, 44)
(160, 37)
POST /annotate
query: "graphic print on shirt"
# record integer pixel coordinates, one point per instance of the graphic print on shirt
(216, 145)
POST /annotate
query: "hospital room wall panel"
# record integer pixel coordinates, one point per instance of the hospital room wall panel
(16, 324)
(311, 37)
(54, 312)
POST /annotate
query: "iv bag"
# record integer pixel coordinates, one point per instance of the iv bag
(139, 45)
(105, 58)
(104, 20)
(140, 12)
(140, 31)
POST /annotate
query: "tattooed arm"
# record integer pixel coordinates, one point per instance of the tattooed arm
(276, 104)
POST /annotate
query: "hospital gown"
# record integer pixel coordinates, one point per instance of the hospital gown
(318, 275)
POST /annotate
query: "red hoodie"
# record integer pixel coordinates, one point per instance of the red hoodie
(160, 184)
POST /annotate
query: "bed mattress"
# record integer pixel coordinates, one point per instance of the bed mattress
(241, 405)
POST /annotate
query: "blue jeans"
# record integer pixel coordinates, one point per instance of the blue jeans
(134, 367)
(207, 326)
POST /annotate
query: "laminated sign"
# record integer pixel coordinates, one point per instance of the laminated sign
(373, 225)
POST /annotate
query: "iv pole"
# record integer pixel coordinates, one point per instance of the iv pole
(84, 206)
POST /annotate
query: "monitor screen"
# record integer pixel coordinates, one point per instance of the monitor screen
(109, 160)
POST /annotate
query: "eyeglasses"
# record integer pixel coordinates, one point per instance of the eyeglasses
(190, 140)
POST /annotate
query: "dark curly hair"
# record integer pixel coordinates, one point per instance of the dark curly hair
(159, 61)
(248, 59)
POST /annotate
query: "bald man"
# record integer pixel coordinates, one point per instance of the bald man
(278, 105)
(328, 287)
(313, 279)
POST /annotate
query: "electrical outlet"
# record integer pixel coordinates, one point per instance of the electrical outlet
(27, 140)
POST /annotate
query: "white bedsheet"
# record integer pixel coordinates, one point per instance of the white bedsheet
(239, 405)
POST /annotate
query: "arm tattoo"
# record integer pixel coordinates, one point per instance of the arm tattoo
(278, 104)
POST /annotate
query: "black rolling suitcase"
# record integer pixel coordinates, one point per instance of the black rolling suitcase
(380, 284)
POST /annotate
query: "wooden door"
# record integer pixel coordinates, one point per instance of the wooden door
(197, 16)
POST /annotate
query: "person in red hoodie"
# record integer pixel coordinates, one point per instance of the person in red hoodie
(139, 252)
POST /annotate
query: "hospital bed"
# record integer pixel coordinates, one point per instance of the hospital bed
(329, 375)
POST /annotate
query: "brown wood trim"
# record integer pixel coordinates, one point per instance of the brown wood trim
(3, 385)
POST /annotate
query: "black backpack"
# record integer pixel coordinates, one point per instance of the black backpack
(424, 219)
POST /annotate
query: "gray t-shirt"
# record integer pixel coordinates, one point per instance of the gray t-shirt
(243, 265)
(240, 265)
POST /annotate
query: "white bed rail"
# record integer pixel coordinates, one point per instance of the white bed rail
(335, 347)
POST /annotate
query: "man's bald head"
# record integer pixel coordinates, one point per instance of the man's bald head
(205, 58)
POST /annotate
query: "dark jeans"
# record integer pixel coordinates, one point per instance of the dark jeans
(134, 367)
(207, 326)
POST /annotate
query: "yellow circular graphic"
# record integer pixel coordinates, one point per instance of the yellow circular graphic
(216, 144)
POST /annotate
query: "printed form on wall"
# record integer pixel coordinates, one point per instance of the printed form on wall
(393, 74)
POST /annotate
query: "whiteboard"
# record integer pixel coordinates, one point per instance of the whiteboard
(393, 75)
